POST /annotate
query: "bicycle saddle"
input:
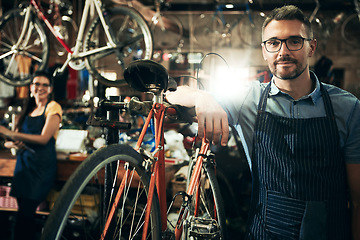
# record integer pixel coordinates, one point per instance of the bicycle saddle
(146, 75)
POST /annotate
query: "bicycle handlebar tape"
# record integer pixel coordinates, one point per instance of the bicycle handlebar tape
(146, 76)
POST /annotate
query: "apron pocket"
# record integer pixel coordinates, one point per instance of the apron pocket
(283, 216)
(314, 223)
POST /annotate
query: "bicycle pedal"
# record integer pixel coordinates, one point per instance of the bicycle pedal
(201, 228)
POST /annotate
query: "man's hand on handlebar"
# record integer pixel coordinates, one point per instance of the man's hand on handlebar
(212, 119)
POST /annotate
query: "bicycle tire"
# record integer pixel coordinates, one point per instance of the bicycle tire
(250, 31)
(83, 218)
(133, 36)
(211, 205)
(169, 35)
(350, 30)
(207, 31)
(34, 48)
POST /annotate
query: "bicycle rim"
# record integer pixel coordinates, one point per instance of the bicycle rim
(206, 208)
(250, 31)
(82, 207)
(134, 41)
(18, 64)
(350, 30)
(207, 31)
(167, 31)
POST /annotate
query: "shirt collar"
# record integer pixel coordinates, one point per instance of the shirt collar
(314, 95)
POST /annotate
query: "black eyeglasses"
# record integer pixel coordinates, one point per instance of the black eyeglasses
(45, 85)
(292, 43)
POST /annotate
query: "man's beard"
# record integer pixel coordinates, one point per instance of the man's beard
(288, 76)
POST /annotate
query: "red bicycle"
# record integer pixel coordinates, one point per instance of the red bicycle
(127, 184)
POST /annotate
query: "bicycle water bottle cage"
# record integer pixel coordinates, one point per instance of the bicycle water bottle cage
(146, 76)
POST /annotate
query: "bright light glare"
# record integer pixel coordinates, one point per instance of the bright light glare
(227, 82)
(229, 5)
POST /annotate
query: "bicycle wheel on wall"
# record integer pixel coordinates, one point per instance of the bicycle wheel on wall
(167, 31)
(207, 31)
(250, 28)
(350, 30)
(133, 38)
(82, 208)
(207, 207)
(18, 62)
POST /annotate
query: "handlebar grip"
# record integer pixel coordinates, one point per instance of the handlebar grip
(181, 113)
(98, 122)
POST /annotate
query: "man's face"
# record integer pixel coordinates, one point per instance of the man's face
(286, 64)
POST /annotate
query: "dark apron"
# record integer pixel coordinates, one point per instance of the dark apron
(35, 172)
(299, 178)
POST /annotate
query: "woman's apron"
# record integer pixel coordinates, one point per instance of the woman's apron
(299, 178)
(35, 172)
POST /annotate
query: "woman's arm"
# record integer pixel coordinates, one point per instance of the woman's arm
(52, 123)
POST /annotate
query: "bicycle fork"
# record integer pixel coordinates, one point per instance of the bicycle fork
(194, 226)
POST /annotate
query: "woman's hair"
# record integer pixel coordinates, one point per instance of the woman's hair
(43, 74)
(289, 12)
(30, 103)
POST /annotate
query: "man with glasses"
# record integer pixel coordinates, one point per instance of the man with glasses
(301, 139)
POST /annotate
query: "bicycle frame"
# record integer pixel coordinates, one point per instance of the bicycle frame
(157, 113)
(76, 53)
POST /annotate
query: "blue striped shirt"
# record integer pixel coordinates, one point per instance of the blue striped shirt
(242, 111)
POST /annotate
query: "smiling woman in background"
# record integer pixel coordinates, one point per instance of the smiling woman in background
(34, 139)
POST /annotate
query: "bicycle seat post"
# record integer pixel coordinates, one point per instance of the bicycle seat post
(158, 96)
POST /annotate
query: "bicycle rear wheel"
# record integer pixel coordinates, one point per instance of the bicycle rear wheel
(17, 63)
(250, 28)
(82, 207)
(350, 30)
(207, 31)
(132, 37)
(167, 30)
(206, 219)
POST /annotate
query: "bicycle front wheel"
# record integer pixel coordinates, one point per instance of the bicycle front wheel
(133, 41)
(83, 207)
(168, 31)
(208, 31)
(19, 58)
(350, 30)
(206, 219)
(250, 28)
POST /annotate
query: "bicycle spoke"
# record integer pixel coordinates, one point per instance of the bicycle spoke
(8, 46)
(12, 59)
(133, 217)
(9, 29)
(32, 56)
(7, 54)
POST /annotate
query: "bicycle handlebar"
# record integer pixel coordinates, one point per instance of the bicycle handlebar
(174, 113)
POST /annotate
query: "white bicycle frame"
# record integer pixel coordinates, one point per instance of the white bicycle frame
(76, 53)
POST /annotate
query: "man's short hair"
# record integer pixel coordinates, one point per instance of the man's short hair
(289, 12)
